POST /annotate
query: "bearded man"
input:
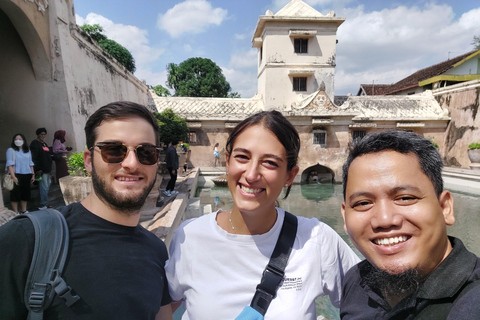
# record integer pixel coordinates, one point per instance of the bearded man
(114, 265)
(396, 214)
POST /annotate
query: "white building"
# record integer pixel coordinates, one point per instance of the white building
(296, 76)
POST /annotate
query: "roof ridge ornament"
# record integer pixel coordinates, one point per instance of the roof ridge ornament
(42, 5)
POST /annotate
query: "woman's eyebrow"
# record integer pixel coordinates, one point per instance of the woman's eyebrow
(267, 155)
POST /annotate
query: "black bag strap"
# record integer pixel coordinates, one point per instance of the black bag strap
(275, 270)
(49, 255)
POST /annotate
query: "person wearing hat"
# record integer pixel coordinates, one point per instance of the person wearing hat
(42, 159)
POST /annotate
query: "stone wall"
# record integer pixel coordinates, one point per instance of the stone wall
(53, 75)
(462, 101)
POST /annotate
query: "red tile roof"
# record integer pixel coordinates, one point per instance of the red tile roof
(412, 80)
(369, 89)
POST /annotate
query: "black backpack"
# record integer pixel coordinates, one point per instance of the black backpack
(49, 254)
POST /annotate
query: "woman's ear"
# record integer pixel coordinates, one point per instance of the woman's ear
(292, 174)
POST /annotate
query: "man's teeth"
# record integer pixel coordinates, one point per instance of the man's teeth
(127, 179)
(250, 190)
(390, 241)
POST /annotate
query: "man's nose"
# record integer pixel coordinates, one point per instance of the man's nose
(385, 215)
(130, 159)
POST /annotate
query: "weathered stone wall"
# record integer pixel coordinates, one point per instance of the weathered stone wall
(52, 75)
(91, 76)
(462, 102)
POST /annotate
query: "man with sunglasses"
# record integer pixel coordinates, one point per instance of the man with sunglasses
(114, 265)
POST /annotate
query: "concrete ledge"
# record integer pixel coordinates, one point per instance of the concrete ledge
(164, 223)
(6, 215)
(461, 180)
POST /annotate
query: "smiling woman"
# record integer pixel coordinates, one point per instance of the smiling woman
(262, 154)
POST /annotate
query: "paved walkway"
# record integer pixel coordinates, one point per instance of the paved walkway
(55, 199)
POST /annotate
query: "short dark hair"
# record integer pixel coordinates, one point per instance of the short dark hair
(24, 146)
(400, 141)
(279, 126)
(174, 142)
(118, 110)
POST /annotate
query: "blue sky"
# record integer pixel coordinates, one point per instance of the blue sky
(380, 41)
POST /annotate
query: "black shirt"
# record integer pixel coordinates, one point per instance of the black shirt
(118, 271)
(452, 291)
(41, 156)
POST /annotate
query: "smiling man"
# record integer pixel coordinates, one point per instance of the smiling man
(114, 265)
(396, 213)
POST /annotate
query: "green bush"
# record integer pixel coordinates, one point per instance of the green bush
(113, 48)
(76, 166)
(475, 145)
(172, 126)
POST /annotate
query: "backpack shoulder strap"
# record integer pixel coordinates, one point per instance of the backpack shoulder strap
(275, 270)
(49, 256)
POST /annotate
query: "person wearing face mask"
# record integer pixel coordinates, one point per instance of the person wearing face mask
(20, 167)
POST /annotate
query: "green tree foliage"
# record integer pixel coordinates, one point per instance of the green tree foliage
(94, 31)
(197, 77)
(113, 48)
(161, 91)
(172, 126)
(476, 42)
(234, 95)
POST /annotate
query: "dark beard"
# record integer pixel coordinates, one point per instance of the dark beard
(121, 204)
(390, 285)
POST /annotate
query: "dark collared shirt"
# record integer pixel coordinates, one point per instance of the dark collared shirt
(452, 291)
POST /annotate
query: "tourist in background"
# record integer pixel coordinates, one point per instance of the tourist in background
(20, 167)
(216, 155)
(171, 159)
(217, 260)
(59, 151)
(42, 159)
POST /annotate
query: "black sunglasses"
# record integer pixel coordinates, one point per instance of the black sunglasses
(116, 152)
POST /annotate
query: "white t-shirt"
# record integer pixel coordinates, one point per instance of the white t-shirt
(216, 272)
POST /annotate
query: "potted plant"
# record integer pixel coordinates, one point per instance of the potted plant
(78, 184)
(474, 155)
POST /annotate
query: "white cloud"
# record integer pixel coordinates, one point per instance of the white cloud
(244, 83)
(350, 82)
(131, 37)
(152, 78)
(239, 36)
(244, 60)
(190, 16)
(391, 44)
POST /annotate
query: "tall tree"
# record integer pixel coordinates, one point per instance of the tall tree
(113, 48)
(198, 77)
(172, 126)
(160, 91)
(476, 42)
